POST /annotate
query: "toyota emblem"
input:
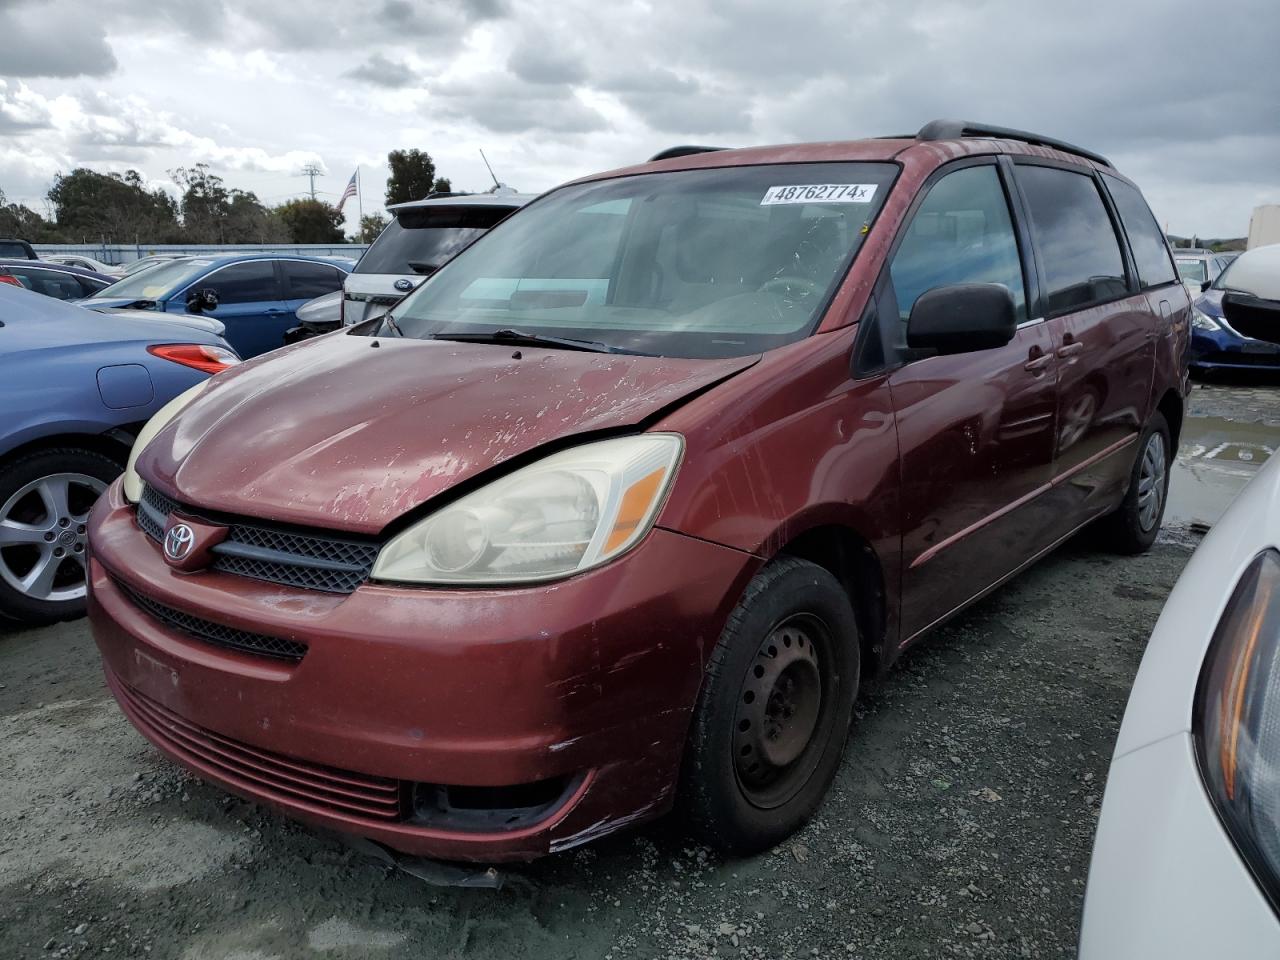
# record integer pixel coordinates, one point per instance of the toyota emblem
(403, 284)
(178, 542)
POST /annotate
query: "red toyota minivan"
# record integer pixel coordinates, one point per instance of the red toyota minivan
(619, 507)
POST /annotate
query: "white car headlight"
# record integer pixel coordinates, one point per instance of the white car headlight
(1236, 719)
(1202, 321)
(133, 482)
(568, 512)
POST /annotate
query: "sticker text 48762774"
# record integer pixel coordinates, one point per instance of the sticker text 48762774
(820, 193)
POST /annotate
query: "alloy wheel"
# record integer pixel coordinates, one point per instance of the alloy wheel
(1151, 482)
(43, 536)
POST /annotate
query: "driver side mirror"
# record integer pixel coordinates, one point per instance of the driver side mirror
(962, 318)
(1206, 285)
(200, 300)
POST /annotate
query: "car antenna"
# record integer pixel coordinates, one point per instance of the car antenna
(496, 184)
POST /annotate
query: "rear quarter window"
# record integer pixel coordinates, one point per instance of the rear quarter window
(1081, 255)
(1146, 239)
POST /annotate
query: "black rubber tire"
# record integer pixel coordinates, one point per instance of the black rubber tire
(714, 805)
(18, 473)
(1123, 529)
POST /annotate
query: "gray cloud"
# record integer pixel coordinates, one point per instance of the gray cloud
(381, 71)
(502, 104)
(536, 60)
(53, 40)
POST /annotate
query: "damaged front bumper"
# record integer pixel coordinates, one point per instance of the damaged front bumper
(476, 725)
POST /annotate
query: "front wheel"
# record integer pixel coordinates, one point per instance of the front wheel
(1134, 525)
(45, 500)
(774, 712)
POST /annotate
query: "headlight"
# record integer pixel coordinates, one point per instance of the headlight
(133, 482)
(1237, 719)
(1202, 321)
(569, 512)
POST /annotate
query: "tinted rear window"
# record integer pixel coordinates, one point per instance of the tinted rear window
(1074, 236)
(418, 240)
(1146, 239)
(13, 251)
(309, 280)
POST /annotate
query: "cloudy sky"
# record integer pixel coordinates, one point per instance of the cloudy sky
(1182, 96)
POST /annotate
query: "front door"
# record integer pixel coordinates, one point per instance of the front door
(976, 430)
(250, 303)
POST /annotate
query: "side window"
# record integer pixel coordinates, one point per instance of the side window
(307, 280)
(961, 233)
(52, 283)
(246, 282)
(1146, 239)
(1074, 236)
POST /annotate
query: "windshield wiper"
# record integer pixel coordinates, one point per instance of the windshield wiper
(521, 337)
(390, 321)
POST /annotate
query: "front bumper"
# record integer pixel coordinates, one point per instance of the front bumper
(590, 681)
(1166, 880)
(1224, 348)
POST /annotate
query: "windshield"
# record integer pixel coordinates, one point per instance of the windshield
(420, 239)
(696, 263)
(156, 282)
(1191, 270)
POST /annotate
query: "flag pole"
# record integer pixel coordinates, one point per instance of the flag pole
(359, 207)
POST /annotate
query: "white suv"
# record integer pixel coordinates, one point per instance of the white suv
(421, 236)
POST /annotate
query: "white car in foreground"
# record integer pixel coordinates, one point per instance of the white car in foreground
(1186, 863)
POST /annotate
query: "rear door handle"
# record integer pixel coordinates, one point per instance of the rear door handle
(1039, 363)
(1070, 349)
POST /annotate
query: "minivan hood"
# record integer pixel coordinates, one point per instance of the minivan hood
(349, 433)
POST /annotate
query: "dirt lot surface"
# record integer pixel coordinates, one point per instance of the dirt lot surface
(960, 824)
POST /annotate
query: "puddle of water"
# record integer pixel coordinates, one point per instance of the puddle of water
(1217, 457)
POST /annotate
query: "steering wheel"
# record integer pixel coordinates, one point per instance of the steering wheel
(787, 287)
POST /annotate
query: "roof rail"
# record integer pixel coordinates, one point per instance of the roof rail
(960, 129)
(684, 151)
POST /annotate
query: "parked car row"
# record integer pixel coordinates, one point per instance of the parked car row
(446, 602)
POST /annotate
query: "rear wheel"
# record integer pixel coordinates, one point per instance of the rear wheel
(774, 712)
(1134, 526)
(45, 500)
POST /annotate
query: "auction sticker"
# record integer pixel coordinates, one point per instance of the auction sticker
(820, 193)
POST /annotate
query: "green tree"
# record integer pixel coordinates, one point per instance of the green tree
(311, 221)
(371, 224)
(17, 220)
(443, 185)
(413, 176)
(214, 213)
(112, 207)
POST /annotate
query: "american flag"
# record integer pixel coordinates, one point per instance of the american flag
(349, 192)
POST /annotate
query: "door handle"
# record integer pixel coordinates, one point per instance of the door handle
(1070, 349)
(273, 311)
(1036, 364)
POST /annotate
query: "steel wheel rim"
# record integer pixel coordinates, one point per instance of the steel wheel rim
(1151, 483)
(784, 699)
(44, 536)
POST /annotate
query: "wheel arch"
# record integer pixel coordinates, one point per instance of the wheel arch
(1170, 406)
(114, 444)
(851, 559)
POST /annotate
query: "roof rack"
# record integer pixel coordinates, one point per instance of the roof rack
(960, 129)
(684, 151)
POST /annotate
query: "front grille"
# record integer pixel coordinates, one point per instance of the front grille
(218, 634)
(330, 789)
(1252, 317)
(262, 552)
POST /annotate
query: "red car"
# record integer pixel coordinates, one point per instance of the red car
(619, 508)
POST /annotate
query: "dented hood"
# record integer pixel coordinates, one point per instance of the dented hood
(337, 433)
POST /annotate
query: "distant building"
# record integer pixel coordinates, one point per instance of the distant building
(1264, 225)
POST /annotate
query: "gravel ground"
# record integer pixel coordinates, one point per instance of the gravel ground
(960, 824)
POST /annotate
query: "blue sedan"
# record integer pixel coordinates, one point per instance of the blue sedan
(256, 296)
(75, 391)
(1236, 323)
